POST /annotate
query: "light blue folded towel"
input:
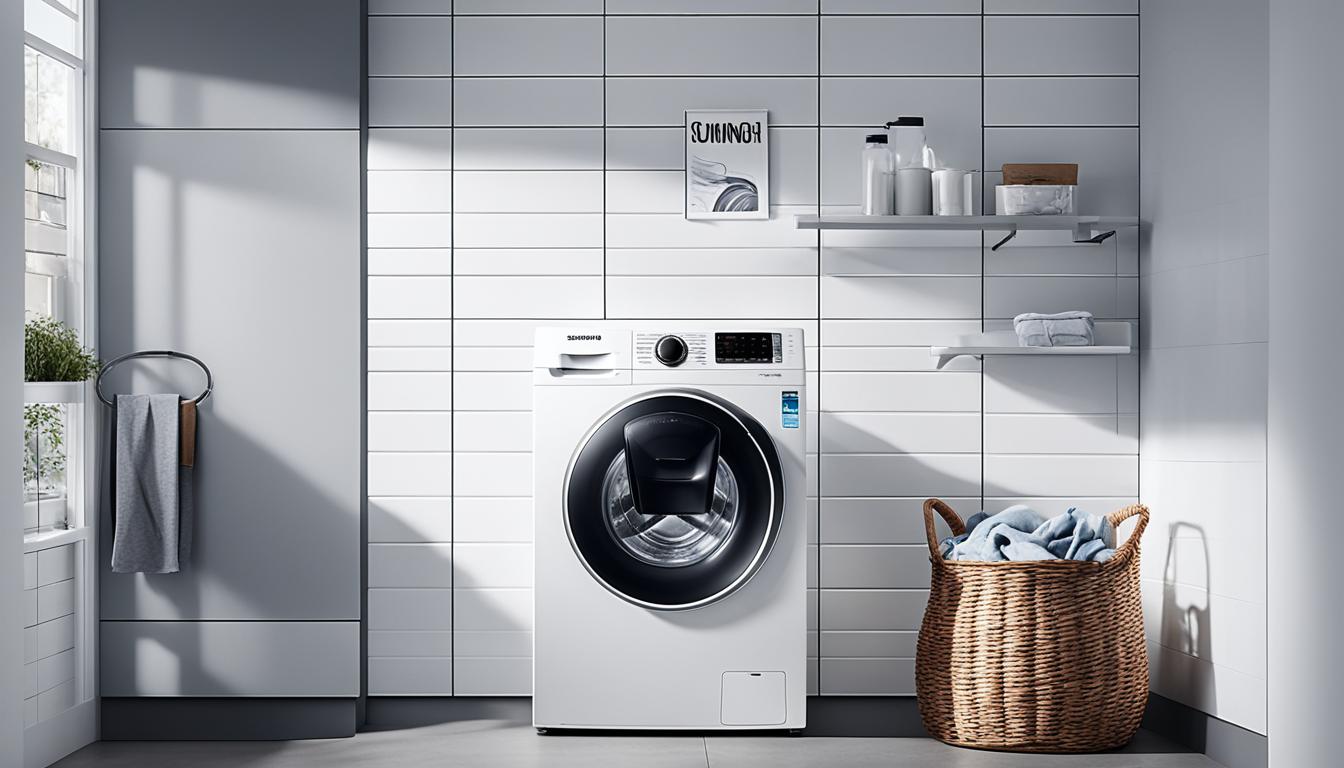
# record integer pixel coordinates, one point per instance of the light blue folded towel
(1065, 329)
(1020, 533)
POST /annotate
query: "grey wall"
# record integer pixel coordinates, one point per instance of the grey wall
(1306, 418)
(229, 229)
(1204, 148)
(525, 168)
(11, 397)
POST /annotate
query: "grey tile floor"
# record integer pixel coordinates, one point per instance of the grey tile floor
(511, 744)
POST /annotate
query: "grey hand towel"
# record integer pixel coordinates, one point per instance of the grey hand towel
(147, 536)
(1065, 329)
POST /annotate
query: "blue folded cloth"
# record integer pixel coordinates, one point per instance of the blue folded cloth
(1020, 533)
(1065, 329)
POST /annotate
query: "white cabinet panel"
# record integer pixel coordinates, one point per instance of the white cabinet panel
(528, 46)
(687, 45)
(1042, 475)
(493, 519)
(523, 102)
(702, 261)
(901, 297)
(493, 391)
(486, 431)
(410, 676)
(411, 609)
(663, 101)
(494, 474)
(527, 261)
(556, 149)
(411, 565)
(470, 7)
(1077, 45)
(417, 391)
(410, 149)
(410, 230)
(528, 191)
(1050, 385)
(410, 643)
(862, 520)
(410, 333)
(887, 45)
(528, 230)
(410, 474)
(1062, 101)
(55, 600)
(900, 432)
(410, 359)
(878, 644)
(408, 519)
(711, 297)
(941, 391)
(410, 101)
(415, 47)
(551, 297)
(674, 231)
(492, 677)
(869, 609)
(927, 474)
(493, 358)
(1105, 297)
(492, 565)
(410, 191)
(873, 677)
(410, 261)
(1061, 6)
(55, 564)
(496, 644)
(1061, 433)
(850, 566)
(507, 610)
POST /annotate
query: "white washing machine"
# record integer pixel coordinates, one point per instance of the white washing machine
(670, 543)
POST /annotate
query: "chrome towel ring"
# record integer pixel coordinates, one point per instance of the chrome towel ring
(209, 379)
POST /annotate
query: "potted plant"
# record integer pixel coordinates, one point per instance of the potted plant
(54, 367)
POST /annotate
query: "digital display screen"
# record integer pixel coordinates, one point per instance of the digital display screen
(747, 348)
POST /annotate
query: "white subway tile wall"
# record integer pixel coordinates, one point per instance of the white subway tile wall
(526, 168)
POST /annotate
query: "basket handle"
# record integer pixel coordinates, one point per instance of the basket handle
(1131, 543)
(949, 516)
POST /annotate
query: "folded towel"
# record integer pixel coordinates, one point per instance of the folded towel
(147, 536)
(1020, 533)
(1065, 329)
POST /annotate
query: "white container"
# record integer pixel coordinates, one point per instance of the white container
(914, 192)
(953, 192)
(908, 142)
(878, 175)
(1035, 199)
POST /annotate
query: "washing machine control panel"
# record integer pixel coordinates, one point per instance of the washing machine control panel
(717, 349)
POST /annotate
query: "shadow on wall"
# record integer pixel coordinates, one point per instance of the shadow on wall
(1185, 620)
(219, 582)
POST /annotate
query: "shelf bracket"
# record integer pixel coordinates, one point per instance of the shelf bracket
(1011, 234)
(1083, 234)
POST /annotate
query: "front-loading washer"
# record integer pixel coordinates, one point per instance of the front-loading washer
(670, 549)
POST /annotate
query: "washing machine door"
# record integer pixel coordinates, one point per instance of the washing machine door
(674, 499)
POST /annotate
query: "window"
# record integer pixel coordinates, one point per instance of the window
(55, 262)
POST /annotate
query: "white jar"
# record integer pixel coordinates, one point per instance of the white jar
(878, 176)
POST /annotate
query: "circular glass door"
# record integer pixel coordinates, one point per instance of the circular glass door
(674, 500)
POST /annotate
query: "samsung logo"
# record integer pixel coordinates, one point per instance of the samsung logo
(593, 337)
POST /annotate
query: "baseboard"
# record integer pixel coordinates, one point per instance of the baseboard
(1228, 744)
(854, 716)
(226, 719)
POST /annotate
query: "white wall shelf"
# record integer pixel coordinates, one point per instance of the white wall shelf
(1086, 229)
(1112, 338)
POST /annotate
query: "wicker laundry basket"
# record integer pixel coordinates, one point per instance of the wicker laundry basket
(1033, 656)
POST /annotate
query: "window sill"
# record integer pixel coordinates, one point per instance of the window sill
(53, 392)
(32, 542)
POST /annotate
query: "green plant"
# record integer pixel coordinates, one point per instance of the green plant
(51, 352)
(44, 443)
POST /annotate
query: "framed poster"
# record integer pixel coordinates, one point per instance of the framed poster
(727, 164)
